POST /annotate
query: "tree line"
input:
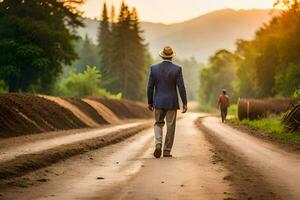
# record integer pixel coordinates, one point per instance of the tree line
(38, 40)
(124, 57)
(266, 66)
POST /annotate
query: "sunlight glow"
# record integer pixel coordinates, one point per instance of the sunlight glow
(170, 11)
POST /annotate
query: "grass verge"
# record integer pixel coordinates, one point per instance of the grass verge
(271, 126)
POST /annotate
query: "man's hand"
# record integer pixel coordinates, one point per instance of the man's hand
(184, 109)
(150, 107)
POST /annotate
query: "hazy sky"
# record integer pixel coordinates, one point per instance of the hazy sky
(169, 11)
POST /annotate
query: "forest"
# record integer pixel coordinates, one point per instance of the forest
(264, 67)
(42, 53)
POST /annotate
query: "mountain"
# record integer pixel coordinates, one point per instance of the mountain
(199, 37)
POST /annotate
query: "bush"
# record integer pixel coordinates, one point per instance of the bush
(297, 93)
(3, 88)
(232, 110)
(83, 84)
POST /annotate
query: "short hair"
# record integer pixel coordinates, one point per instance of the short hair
(224, 91)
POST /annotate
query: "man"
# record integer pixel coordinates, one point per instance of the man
(164, 79)
(223, 104)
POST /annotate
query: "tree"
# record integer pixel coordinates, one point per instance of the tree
(88, 53)
(35, 41)
(130, 56)
(266, 66)
(124, 55)
(271, 60)
(246, 73)
(104, 42)
(219, 74)
(138, 58)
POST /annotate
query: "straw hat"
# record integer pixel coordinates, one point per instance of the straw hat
(167, 52)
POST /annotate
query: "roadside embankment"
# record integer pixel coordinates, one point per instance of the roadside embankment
(23, 114)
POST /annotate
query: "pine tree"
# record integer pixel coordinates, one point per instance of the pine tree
(88, 52)
(104, 42)
(112, 15)
(130, 56)
(120, 51)
(138, 60)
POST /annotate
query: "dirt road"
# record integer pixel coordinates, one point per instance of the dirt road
(279, 169)
(127, 170)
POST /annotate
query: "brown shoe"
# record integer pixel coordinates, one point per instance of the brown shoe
(157, 152)
(168, 155)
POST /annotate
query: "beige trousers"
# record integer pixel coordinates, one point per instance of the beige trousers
(160, 116)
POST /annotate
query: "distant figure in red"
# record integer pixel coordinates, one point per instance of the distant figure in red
(223, 104)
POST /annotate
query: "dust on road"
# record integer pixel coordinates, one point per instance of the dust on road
(128, 171)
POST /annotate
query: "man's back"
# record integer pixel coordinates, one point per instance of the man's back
(224, 101)
(164, 78)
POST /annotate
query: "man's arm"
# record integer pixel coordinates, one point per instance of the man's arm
(181, 88)
(150, 90)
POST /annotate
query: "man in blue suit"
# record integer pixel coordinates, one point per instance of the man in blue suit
(164, 79)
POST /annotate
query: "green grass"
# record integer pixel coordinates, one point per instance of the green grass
(232, 110)
(270, 125)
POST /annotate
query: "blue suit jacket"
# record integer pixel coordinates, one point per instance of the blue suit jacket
(163, 80)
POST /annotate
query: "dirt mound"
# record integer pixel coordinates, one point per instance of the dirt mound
(89, 110)
(102, 110)
(24, 114)
(74, 109)
(125, 109)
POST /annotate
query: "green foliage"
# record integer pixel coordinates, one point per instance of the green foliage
(3, 88)
(267, 66)
(272, 126)
(83, 84)
(35, 40)
(233, 110)
(88, 54)
(271, 61)
(105, 48)
(124, 56)
(219, 74)
(297, 93)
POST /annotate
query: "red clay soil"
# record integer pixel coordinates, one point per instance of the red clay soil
(88, 110)
(125, 109)
(22, 114)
